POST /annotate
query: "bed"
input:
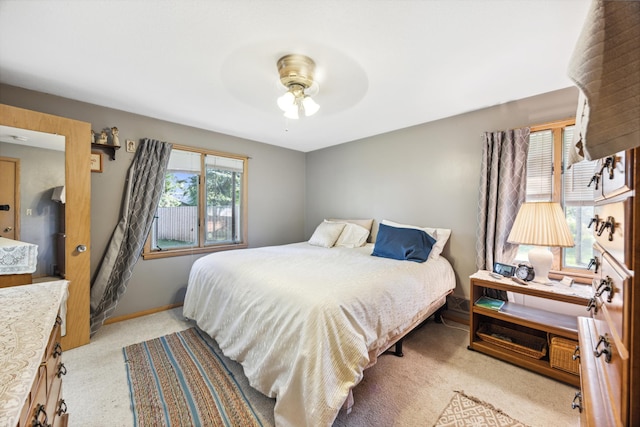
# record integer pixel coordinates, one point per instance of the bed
(306, 320)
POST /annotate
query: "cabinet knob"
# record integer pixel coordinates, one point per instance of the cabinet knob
(40, 411)
(57, 350)
(81, 248)
(62, 370)
(577, 405)
(606, 350)
(62, 407)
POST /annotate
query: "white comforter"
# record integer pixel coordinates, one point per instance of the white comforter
(305, 321)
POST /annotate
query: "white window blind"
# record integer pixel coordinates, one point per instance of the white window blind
(540, 167)
(576, 178)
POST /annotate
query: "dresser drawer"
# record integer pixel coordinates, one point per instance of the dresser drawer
(615, 175)
(601, 368)
(612, 293)
(610, 232)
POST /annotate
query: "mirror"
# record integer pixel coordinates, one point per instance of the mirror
(34, 197)
(77, 135)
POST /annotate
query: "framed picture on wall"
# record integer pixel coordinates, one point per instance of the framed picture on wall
(96, 161)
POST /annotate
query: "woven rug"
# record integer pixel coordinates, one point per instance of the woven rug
(466, 410)
(179, 380)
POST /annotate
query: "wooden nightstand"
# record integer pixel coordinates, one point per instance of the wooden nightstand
(528, 321)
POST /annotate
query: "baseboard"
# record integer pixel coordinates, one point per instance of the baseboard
(457, 310)
(456, 316)
(141, 313)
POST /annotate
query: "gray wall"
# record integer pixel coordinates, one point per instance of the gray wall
(426, 175)
(276, 190)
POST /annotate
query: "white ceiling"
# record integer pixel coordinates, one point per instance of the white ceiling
(382, 65)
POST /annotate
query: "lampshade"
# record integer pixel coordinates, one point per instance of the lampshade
(541, 224)
(296, 74)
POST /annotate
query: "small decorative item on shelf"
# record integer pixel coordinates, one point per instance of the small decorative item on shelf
(103, 138)
(114, 137)
(107, 141)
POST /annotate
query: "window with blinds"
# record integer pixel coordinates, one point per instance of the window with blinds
(574, 193)
(540, 167)
(576, 177)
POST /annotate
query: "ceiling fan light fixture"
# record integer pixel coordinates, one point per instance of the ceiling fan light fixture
(296, 74)
(310, 106)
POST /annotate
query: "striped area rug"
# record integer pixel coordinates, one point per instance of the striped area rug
(179, 380)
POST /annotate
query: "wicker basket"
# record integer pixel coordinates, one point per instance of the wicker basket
(514, 340)
(561, 354)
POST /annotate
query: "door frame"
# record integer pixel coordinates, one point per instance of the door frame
(16, 195)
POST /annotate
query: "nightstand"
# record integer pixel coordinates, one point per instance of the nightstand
(519, 334)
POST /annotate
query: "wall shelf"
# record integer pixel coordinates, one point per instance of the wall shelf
(109, 149)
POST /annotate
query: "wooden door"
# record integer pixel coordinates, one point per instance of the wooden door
(10, 198)
(77, 210)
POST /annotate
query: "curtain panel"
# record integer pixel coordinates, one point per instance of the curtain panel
(502, 192)
(145, 184)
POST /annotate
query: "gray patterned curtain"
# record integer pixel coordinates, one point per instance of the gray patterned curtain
(502, 191)
(145, 185)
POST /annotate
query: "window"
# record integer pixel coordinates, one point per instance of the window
(549, 179)
(203, 206)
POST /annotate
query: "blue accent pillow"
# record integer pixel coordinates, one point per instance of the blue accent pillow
(403, 243)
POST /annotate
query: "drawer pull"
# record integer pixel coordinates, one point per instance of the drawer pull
(610, 164)
(592, 305)
(576, 353)
(606, 285)
(40, 409)
(58, 320)
(606, 350)
(62, 407)
(610, 223)
(595, 178)
(594, 262)
(62, 370)
(57, 350)
(577, 405)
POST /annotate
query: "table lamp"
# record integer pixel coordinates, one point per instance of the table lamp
(541, 224)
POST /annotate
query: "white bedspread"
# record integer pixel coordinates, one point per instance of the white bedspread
(305, 321)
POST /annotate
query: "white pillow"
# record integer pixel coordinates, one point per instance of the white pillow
(326, 234)
(352, 236)
(440, 234)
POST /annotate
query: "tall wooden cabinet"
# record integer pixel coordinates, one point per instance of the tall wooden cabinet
(609, 338)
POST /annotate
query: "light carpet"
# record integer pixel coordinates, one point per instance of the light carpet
(407, 391)
(465, 410)
(180, 380)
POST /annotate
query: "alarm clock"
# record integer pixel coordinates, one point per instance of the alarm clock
(525, 272)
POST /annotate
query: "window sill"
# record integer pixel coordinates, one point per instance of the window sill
(192, 251)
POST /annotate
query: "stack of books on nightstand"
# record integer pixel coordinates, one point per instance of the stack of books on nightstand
(490, 303)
